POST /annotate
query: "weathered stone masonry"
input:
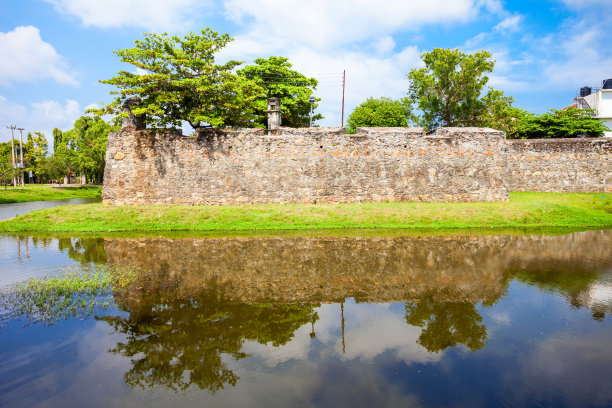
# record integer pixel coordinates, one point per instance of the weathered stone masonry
(305, 166)
(326, 165)
(560, 165)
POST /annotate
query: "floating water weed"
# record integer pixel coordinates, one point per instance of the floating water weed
(68, 294)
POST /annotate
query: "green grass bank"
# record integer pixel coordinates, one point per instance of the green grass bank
(525, 210)
(45, 193)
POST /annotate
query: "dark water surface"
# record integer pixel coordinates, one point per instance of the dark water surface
(13, 209)
(430, 321)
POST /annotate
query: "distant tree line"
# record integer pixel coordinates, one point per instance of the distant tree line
(77, 152)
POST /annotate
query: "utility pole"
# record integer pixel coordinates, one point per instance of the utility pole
(13, 150)
(21, 154)
(343, 86)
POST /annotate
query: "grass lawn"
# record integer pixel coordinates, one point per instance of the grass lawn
(525, 210)
(42, 193)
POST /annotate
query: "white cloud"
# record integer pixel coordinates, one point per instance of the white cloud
(24, 56)
(586, 3)
(582, 61)
(154, 15)
(39, 116)
(509, 24)
(325, 24)
(383, 45)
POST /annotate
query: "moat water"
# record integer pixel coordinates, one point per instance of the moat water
(432, 321)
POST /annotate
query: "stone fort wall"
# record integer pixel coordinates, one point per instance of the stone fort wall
(560, 165)
(325, 165)
(305, 166)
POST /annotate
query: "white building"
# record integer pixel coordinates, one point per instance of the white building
(601, 101)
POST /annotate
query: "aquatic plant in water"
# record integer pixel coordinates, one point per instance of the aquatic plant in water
(68, 294)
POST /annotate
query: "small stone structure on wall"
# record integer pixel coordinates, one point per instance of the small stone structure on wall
(305, 165)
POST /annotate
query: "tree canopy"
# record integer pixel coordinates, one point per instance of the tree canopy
(275, 76)
(450, 90)
(571, 122)
(382, 112)
(177, 79)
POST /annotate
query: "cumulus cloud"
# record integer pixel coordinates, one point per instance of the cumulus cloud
(154, 15)
(24, 56)
(324, 24)
(581, 61)
(39, 116)
(509, 24)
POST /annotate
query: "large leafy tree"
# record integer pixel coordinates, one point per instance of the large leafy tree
(177, 79)
(275, 76)
(571, 122)
(451, 89)
(84, 146)
(382, 112)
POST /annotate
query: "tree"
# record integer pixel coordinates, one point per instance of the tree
(86, 144)
(571, 122)
(178, 80)
(294, 89)
(7, 171)
(54, 167)
(383, 112)
(449, 89)
(57, 138)
(36, 149)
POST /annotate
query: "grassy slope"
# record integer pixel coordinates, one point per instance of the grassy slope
(19, 195)
(524, 210)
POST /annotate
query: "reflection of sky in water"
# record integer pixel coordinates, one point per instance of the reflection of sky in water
(21, 258)
(542, 347)
(12, 209)
(543, 351)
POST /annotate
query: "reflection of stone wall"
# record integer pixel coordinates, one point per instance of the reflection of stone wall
(561, 165)
(470, 268)
(305, 165)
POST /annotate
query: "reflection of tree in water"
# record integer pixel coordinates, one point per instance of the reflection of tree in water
(84, 250)
(179, 342)
(446, 323)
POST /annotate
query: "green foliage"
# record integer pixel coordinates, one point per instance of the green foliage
(7, 171)
(78, 293)
(54, 167)
(178, 80)
(274, 75)
(36, 149)
(85, 146)
(449, 90)
(568, 123)
(57, 138)
(383, 112)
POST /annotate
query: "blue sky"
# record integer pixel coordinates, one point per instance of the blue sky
(53, 52)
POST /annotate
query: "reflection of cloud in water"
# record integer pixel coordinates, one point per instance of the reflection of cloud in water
(500, 317)
(38, 372)
(364, 325)
(312, 384)
(566, 370)
(378, 331)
